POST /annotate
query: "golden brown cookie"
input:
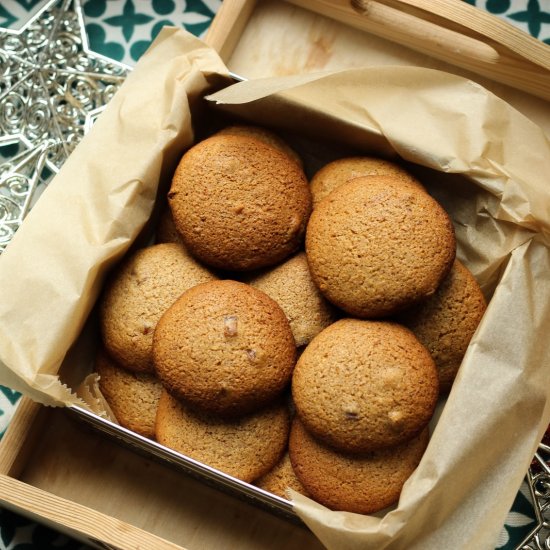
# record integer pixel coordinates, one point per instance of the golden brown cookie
(377, 249)
(291, 286)
(446, 322)
(361, 484)
(340, 171)
(166, 229)
(281, 478)
(268, 137)
(139, 292)
(238, 203)
(365, 385)
(132, 396)
(224, 347)
(246, 447)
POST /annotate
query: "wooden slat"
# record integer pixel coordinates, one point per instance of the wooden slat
(78, 521)
(19, 438)
(457, 12)
(439, 42)
(75, 463)
(227, 26)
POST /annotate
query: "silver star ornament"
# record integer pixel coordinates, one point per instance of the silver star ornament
(52, 88)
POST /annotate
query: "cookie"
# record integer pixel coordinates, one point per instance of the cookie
(266, 136)
(365, 385)
(376, 249)
(446, 322)
(238, 203)
(133, 397)
(340, 171)
(224, 347)
(246, 448)
(280, 479)
(360, 484)
(166, 229)
(139, 292)
(291, 286)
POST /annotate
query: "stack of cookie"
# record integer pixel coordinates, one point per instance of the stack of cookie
(382, 250)
(143, 287)
(201, 332)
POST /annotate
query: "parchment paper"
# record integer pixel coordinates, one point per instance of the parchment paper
(51, 273)
(496, 413)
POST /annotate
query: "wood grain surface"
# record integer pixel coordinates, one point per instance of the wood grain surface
(70, 462)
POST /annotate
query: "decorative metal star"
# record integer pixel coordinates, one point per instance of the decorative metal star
(538, 480)
(52, 87)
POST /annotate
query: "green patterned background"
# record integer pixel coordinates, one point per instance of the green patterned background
(122, 30)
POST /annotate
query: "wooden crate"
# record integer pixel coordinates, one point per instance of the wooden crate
(53, 470)
(74, 480)
(273, 38)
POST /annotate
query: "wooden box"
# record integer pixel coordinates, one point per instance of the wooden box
(55, 471)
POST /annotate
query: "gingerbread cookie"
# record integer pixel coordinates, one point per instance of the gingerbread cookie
(139, 292)
(291, 286)
(224, 347)
(280, 479)
(238, 203)
(361, 484)
(132, 396)
(340, 171)
(365, 385)
(446, 322)
(376, 249)
(246, 448)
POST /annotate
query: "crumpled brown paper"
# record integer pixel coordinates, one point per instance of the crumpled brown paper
(52, 271)
(495, 188)
(494, 417)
